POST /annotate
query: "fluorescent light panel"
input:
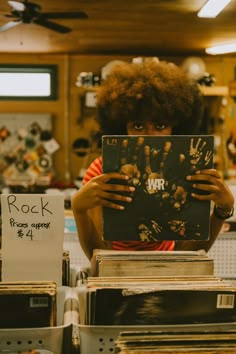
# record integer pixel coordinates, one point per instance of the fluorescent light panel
(212, 8)
(222, 49)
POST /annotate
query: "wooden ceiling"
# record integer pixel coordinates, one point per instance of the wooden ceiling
(141, 27)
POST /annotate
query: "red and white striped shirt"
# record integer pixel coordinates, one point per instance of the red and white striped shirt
(95, 169)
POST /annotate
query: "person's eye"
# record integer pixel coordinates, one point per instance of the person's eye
(160, 126)
(138, 125)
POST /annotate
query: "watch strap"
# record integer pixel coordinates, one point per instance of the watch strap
(223, 214)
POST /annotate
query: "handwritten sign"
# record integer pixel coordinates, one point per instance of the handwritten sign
(32, 237)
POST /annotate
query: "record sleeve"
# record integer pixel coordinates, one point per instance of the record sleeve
(162, 206)
(156, 306)
(160, 342)
(108, 263)
(28, 304)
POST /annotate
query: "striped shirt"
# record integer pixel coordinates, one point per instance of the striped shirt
(95, 169)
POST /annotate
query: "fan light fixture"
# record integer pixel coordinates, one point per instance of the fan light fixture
(222, 49)
(194, 67)
(29, 12)
(212, 8)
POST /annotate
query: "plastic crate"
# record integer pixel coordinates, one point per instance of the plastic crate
(56, 339)
(223, 252)
(102, 339)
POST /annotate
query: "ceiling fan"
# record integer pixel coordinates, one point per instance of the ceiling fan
(29, 12)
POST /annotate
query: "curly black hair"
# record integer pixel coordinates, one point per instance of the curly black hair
(153, 90)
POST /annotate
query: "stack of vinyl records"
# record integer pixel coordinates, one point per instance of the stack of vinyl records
(107, 263)
(153, 288)
(207, 342)
(156, 300)
(150, 290)
(28, 304)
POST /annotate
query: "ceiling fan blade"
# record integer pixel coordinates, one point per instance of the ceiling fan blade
(9, 25)
(58, 15)
(51, 25)
(16, 5)
(10, 16)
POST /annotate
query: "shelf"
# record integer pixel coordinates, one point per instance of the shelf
(215, 90)
(206, 90)
(83, 89)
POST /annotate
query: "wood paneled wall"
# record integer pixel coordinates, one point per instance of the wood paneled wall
(67, 108)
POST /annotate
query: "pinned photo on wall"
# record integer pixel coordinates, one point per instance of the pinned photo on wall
(27, 146)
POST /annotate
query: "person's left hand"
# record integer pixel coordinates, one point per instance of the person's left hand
(216, 190)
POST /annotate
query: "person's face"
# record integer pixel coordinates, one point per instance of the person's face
(148, 128)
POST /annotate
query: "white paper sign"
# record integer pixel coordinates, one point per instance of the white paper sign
(32, 237)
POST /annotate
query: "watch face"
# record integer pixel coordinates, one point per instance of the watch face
(222, 214)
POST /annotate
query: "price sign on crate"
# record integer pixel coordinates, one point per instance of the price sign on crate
(32, 237)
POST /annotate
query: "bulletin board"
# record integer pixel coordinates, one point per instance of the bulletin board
(26, 146)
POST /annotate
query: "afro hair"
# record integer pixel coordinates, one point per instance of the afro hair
(153, 90)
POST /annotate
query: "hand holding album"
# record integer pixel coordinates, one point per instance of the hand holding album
(162, 207)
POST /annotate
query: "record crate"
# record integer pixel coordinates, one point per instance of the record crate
(57, 339)
(94, 339)
(102, 339)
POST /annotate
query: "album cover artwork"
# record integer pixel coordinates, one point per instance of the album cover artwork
(150, 306)
(28, 304)
(162, 206)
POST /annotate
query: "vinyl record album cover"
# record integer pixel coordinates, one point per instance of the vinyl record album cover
(154, 306)
(114, 263)
(28, 304)
(162, 207)
(161, 342)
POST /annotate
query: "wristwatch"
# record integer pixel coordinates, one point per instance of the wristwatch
(223, 214)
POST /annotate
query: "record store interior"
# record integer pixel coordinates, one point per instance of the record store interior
(113, 241)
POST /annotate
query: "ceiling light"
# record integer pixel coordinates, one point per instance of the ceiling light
(212, 8)
(222, 49)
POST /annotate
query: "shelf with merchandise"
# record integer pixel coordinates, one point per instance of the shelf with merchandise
(215, 90)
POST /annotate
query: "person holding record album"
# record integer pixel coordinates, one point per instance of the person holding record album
(150, 98)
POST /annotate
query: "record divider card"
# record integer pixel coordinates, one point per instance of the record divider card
(32, 237)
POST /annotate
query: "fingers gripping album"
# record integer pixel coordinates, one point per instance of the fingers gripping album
(162, 206)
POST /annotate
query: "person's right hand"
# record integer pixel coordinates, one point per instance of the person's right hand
(97, 192)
